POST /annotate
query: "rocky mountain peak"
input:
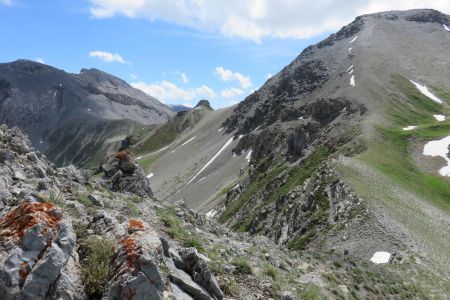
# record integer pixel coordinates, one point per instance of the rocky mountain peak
(203, 104)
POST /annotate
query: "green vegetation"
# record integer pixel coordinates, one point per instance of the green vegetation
(300, 173)
(391, 156)
(296, 176)
(390, 153)
(258, 184)
(311, 291)
(167, 133)
(162, 137)
(243, 267)
(147, 161)
(96, 256)
(270, 271)
(230, 288)
(177, 231)
(418, 109)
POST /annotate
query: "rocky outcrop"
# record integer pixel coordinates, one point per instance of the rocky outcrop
(305, 211)
(137, 263)
(37, 242)
(122, 173)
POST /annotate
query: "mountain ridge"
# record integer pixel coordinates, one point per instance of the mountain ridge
(44, 100)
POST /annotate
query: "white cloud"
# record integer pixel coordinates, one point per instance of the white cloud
(231, 93)
(169, 91)
(184, 78)
(134, 76)
(256, 19)
(188, 105)
(228, 75)
(233, 102)
(108, 56)
(269, 75)
(40, 60)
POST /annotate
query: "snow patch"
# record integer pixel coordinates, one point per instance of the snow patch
(212, 159)
(150, 175)
(301, 118)
(220, 129)
(162, 149)
(424, 90)
(203, 178)
(350, 49)
(241, 136)
(410, 127)
(139, 157)
(351, 71)
(381, 257)
(352, 80)
(440, 118)
(249, 155)
(259, 126)
(446, 27)
(188, 141)
(210, 214)
(89, 109)
(354, 39)
(350, 68)
(439, 148)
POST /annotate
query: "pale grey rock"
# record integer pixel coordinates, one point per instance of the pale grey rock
(49, 267)
(69, 286)
(185, 282)
(178, 293)
(96, 199)
(34, 239)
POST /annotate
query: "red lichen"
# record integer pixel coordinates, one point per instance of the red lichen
(132, 251)
(23, 273)
(24, 270)
(26, 215)
(135, 224)
(128, 293)
(122, 155)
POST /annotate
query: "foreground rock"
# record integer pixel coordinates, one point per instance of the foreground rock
(37, 242)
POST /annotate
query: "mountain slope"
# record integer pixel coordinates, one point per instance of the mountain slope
(67, 115)
(331, 159)
(350, 95)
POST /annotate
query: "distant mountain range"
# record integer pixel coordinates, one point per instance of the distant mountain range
(71, 117)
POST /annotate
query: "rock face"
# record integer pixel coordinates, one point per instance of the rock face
(122, 173)
(137, 263)
(70, 117)
(37, 244)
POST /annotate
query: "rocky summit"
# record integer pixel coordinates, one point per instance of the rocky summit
(331, 181)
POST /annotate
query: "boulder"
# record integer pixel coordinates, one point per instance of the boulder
(136, 265)
(39, 242)
(196, 265)
(122, 173)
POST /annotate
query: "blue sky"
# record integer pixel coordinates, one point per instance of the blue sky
(178, 51)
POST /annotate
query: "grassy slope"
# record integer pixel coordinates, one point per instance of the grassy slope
(390, 152)
(167, 133)
(387, 175)
(297, 175)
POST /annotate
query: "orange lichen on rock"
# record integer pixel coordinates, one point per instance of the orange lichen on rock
(23, 273)
(135, 224)
(122, 155)
(25, 216)
(132, 251)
